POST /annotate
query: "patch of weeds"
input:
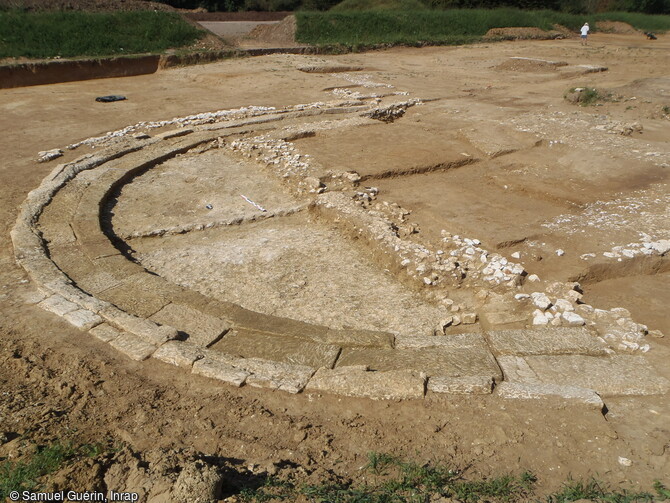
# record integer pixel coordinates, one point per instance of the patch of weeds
(666, 110)
(24, 475)
(585, 96)
(273, 489)
(596, 491)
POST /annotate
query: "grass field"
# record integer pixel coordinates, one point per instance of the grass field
(355, 28)
(74, 34)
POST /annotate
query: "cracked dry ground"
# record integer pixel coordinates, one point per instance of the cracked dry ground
(493, 153)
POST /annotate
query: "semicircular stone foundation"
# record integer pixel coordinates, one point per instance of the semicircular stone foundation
(159, 247)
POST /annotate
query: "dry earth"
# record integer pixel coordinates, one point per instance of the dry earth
(492, 152)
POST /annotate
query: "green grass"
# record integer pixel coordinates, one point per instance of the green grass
(381, 26)
(359, 5)
(24, 475)
(392, 480)
(596, 491)
(74, 34)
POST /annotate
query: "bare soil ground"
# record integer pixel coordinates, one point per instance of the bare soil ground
(546, 175)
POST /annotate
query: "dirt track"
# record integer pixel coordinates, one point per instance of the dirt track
(59, 383)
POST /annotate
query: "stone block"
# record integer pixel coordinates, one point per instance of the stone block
(202, 329)
(547, 341)
(181, 354)
(474, 385)
(546, 391)
(140, 295)
(58, 305)
(252, 344)
(132, 346)
(356, 338)
(470, 340)
(83, 319)
(607, 376)
(435, 361)
(358, 382)
(105, 332)
(516, 369)
(276, 375)
(82, 299)
(491, 320)
(215, 367)
(144, 329)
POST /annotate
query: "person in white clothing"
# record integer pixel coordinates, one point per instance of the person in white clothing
(585, 33)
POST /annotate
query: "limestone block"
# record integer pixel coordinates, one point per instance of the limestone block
(132, 346)
(145, 329)
(181, 354)
(608, 376)
(471, 340)
(516, 369)
(503, 318)
(547, 341)
(105, 332)
(252, 344)
(435, 361)
(358, 382)
(540, 300)
(356, 338)
(58, 305)
(83, 319)
(474, 385)
(202, 329)
(74, 294)
(136, 296)
(545, 391)
(217, 368)
(276, 375)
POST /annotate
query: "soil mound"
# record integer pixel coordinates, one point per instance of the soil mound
(280, 34)
(615, 27)
(522, 33)
(86, 5)
(529, 65)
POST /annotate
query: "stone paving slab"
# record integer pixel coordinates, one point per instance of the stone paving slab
(145, 329)
(455, 341)
(546, 391)
(83, 319)
(276, 375)
(356, 338)
(547, 341)
(180, 354)
(437, 361)
(58, 305)
(516, 369)
(202, 329)
(611, 376)
(492, 320)
(219, 368)
(132, 346)
(105, 332)
(253, 344)
(118, 265)
(251, 320)
(461, 385)
(358, 382)
(141, 295)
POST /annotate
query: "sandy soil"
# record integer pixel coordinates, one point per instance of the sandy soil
(554, 161)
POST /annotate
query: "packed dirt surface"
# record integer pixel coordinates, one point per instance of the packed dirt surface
(462, 144)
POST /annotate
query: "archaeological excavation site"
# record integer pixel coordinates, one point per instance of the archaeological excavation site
(296, 260)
